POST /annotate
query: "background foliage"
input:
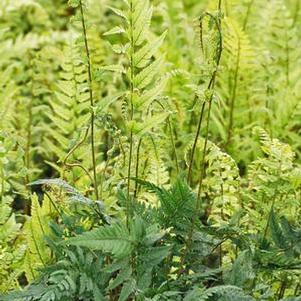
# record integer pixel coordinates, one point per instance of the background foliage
(150, 150)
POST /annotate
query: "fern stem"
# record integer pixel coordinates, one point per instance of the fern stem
(296, 15)
(28, 143)
(77, 164)
(195, 143)
(222, 217)
(131, 112)
(157, 158)
(203, 170)
(122, 150)
(282, 288)
(54, 205)
(211, 87)
(128, 203)
(233, 96)
(287, 57)
(198, 202)
(27, 155)
(91, 99)
(137, 167)
(173, 144)
(2, 183)
(250, 4)
(73, 149)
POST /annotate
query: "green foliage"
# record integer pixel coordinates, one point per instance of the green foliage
(114, 239)
(150, 150)
(274, 179)
(12, 247)
(35, 229)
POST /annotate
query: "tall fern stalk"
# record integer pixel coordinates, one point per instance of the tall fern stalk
(90, 97)
(233, 96)
(28, 143)
(196, 138)
(249, 8)
(211, 87)
(131, 112)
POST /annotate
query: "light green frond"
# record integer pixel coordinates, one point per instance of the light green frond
(36, 228)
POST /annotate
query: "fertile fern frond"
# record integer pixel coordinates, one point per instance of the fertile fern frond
(236, 81)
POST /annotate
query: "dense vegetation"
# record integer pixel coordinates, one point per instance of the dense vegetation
(150, 150)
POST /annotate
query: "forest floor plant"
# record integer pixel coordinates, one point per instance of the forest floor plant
(139, 159)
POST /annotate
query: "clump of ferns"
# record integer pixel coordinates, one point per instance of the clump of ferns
(221, 186)
(274, 182)
(143, 64)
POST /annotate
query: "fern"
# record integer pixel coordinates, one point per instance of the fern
(71, 276)
(166, 137)
(143, 66)
(114, 239)
(276, 179)
(36, 229)
(12, 248)
(225, 293)
(240, 59)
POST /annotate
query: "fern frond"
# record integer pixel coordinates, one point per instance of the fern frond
(114, 239)
(36, 229)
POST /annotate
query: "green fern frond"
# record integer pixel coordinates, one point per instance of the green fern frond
(114, 239)
(36, 229)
